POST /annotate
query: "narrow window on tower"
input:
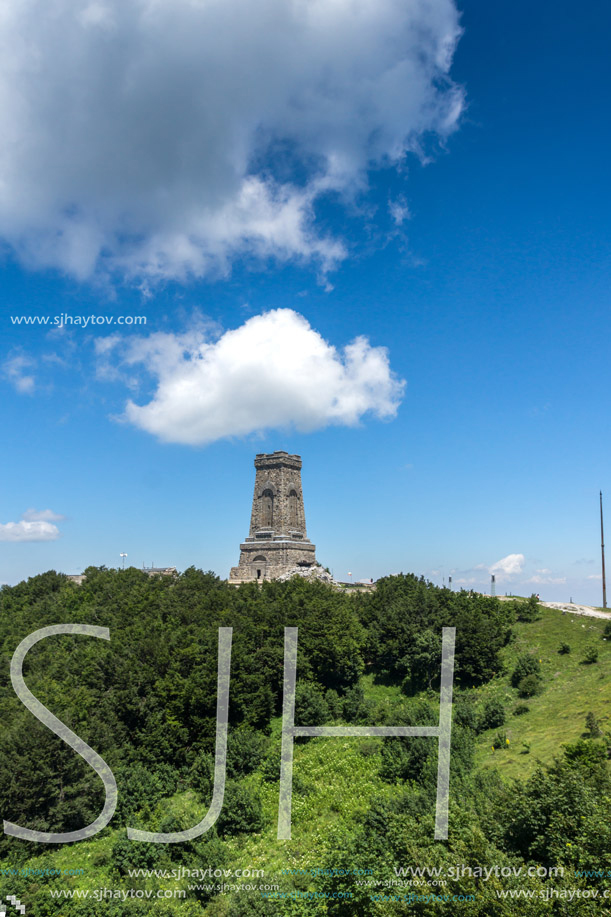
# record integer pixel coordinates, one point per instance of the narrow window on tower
(293, 509)
(267, 509)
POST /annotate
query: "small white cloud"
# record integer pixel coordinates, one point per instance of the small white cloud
(275, 371)
(543, 572)
(597, 576)
(511, 565)
(35, 525)
(29, 531)
(17, 371)
(399, 211)
(45, 515)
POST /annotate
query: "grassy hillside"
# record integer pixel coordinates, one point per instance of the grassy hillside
(571, 689)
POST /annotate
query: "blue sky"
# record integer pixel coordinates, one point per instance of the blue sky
(372, 176)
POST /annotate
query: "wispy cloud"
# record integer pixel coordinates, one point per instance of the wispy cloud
(399, 211)
(17, 369)
(274, 371)
(163, 139)
(542, 580)
(45, 515)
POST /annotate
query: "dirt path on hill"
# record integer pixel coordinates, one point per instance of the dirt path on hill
(587, 610)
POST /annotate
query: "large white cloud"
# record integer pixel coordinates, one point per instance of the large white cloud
(275, 371)
(163, 137)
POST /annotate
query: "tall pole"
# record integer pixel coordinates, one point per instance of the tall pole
(602, 548)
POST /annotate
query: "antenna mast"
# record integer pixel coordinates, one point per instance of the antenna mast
(602, 548)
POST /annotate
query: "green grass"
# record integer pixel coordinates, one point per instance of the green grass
(570, 690)
(335, 781)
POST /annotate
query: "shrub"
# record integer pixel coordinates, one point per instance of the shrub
(260, 708)
(248, 906)
(354, 704)
(529, 686)
(127, 855)
(201, 775)
(369, 747)
(465, 713)
(607, 630)
(140, 787)
(492, 715)
(521, 709)
(592, 726)
(270, 768)
(310, 706)
(526, 665)
(528, 611)
(587, 756)
(245, 751)
(500, 741)
(564, 649)
(591, 656)
(404, 759)
(334, 704)
(421, 662)
(242, 810)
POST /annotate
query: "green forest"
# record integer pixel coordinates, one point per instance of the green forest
(530, 788)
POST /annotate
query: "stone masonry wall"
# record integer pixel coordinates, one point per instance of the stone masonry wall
(279, 474)
(278, 539)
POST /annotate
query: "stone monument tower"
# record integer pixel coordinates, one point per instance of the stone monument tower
(277, 540)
